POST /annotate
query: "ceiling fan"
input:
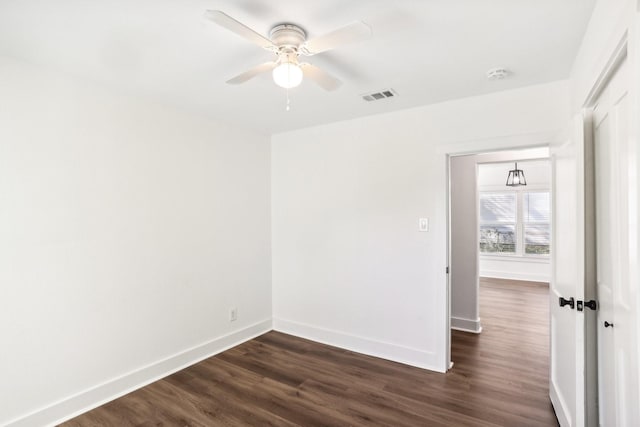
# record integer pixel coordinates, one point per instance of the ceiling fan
(288, 42)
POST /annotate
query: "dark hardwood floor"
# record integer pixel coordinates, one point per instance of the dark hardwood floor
(500, 377)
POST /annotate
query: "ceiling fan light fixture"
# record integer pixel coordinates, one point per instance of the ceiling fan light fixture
(289, 41)
(287, 75)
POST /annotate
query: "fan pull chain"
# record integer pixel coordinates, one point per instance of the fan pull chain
(288, 101)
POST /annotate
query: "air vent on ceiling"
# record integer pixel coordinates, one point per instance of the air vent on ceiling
(377, 96)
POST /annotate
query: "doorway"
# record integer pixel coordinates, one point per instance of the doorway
(490, 232)
(510, 345)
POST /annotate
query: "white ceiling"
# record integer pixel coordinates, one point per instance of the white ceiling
(427, 50)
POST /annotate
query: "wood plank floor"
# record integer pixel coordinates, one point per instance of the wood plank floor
(500, 378)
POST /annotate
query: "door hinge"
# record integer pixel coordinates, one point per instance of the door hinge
(447, 270)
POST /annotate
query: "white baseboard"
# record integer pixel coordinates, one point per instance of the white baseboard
(511, 275)
(466, 325)
(409, 356)
(559, 407)
(88, 399)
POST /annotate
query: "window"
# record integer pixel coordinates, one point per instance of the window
(515, 222)
(498, 222)
(536, 214)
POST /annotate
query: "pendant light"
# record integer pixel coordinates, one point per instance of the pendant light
(516, 177)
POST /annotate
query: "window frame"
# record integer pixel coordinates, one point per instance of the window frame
(519, 225)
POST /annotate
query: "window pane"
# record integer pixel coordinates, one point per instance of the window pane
(536, 239)
(497, 207)
(536, 207)
(498, 239)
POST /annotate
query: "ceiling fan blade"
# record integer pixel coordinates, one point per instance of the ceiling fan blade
(320, 77)
(239, 28)
(352, 33)
(251, 73)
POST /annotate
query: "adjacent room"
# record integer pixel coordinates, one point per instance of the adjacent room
(299, 213)
(500, 273)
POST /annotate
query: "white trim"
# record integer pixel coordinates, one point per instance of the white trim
(466, 325)
(560, 407)
(531, 188)
(384, 350)
(511, 275)
(533, 259)
(93, 397)
(501, 143)
(616, 57)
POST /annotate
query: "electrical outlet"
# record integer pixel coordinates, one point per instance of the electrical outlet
(233, 314)
(423, 224)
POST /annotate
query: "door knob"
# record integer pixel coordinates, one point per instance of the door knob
(607, 324)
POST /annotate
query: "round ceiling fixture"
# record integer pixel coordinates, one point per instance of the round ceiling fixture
(287, 75)
(498, 73)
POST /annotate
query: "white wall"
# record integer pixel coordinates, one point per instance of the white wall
(468, 174)
(127, 231)
(349, 265)
(465, 310)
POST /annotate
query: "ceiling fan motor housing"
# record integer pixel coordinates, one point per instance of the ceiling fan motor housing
(287, 36)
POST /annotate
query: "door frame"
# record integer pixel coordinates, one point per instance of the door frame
(474, 147)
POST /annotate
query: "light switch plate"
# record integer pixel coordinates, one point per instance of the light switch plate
(423, 224)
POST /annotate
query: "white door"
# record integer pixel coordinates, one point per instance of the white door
(617, 352)
(567, 376)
